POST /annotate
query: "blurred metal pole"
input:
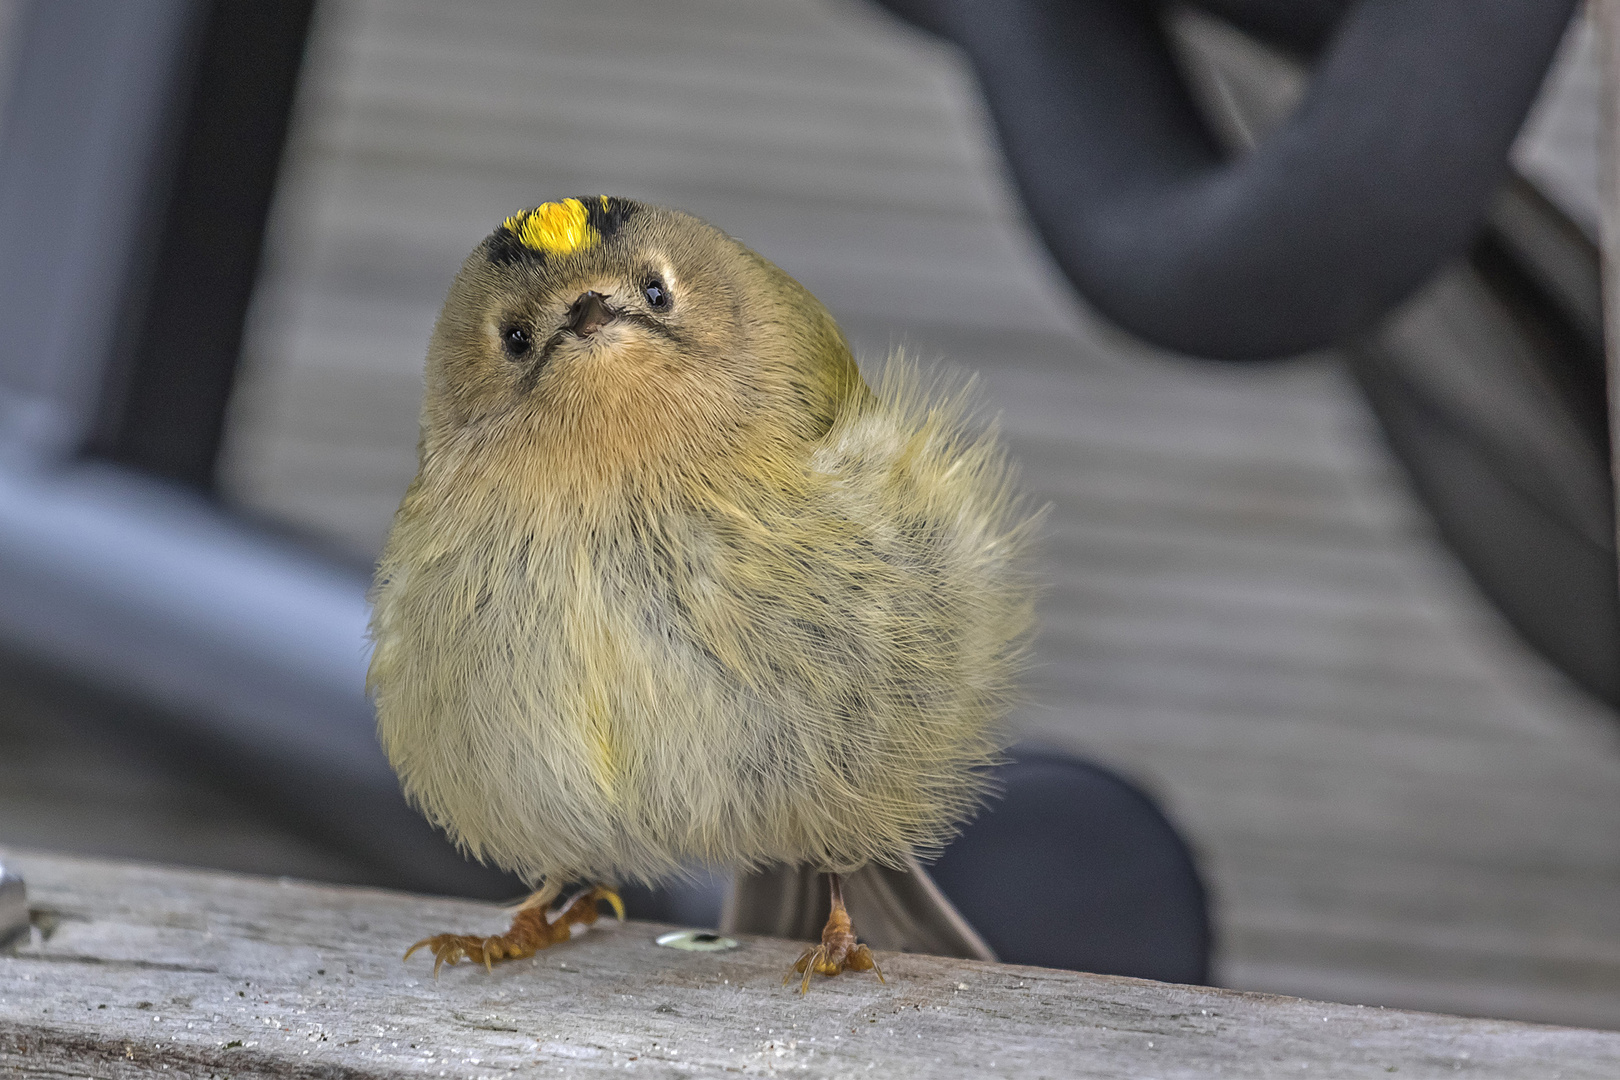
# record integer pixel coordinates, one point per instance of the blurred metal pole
(167, 389)
(85, 139)
(1605, 16)
(14, 921)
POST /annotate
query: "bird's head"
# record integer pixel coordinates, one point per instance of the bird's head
(598, 338)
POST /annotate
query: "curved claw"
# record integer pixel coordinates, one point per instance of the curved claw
(808, 963)
(452, 949)
(602, 892)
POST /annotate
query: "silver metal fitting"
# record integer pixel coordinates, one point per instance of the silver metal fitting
(13, 907)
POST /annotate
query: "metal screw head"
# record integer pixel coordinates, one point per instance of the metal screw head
(696, 941)
(13, 906)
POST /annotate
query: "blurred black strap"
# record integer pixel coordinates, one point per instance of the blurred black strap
(1382, 174)
(165, 396)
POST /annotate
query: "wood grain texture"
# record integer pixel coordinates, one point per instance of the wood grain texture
(178, 973)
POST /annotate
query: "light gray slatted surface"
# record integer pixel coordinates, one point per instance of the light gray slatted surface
(1393, 801)
(74, 778)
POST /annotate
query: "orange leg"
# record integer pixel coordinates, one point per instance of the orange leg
(533, 928)
(838, 950)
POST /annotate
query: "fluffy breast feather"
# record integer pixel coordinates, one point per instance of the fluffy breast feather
(729, 672)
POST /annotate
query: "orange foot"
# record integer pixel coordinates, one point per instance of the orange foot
(838, 950)
(533, 928)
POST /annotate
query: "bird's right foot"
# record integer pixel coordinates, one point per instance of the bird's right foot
(533, 928)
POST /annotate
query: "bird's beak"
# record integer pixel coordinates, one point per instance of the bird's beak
(589, 314)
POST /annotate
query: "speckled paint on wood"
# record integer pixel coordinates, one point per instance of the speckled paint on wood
(140, 971)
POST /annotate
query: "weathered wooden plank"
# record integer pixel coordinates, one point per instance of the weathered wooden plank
(145, 971)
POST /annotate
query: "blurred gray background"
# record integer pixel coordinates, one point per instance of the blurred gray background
(1393, 799)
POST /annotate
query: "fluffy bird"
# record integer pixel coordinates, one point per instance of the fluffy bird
(674, 584)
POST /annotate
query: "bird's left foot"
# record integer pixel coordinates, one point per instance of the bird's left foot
(838, 951)
(533, 928)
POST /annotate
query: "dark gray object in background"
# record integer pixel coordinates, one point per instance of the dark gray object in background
(1075, 867)
(1390, 175)
(1502, 426)
(1381, 176)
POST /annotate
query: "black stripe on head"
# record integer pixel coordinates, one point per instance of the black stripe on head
(607, 213)
(504, 248)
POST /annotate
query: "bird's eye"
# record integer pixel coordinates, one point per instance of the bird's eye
(656, 294)
(516, 340)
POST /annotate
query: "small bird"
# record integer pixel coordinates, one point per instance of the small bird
(673, 584)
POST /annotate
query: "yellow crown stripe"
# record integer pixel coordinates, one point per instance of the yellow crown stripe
(555, 228)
